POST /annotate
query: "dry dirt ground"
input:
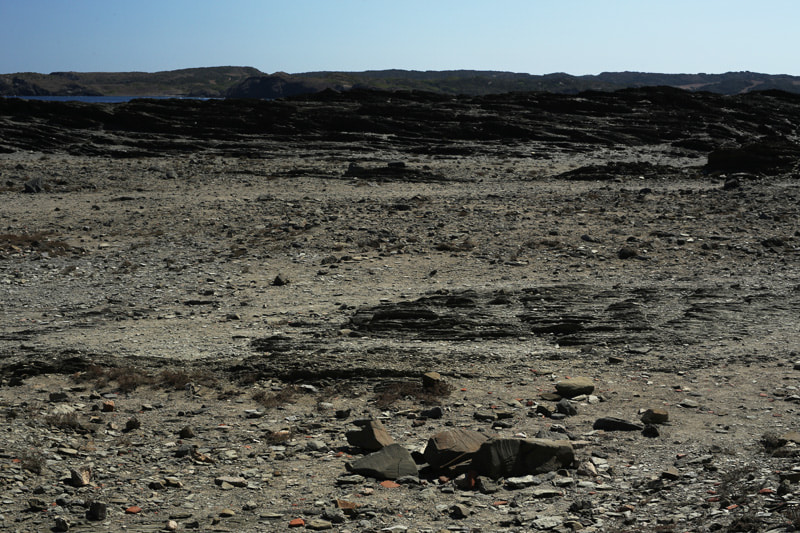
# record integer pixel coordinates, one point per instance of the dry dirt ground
(151, 282)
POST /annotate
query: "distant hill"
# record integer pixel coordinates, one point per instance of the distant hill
(209, 81)
(248, 82)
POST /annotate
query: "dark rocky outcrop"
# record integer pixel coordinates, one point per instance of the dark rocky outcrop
(519, 457)
(694, 124)
(768, 156)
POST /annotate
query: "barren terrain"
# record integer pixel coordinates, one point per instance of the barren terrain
(268, 274)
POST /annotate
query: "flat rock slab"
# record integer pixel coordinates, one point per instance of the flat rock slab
(457, 445)
(391, 462)
(616, 424)
(519, 457)
(569, 388)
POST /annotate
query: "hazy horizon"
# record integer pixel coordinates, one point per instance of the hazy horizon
(398, 69)
(581, 37)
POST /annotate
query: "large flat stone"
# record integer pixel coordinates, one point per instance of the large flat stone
(520, 457)
(391, 462)
(453, 446)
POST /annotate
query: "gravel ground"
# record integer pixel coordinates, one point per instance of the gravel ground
(242, 314)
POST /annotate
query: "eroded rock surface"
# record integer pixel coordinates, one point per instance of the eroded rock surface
(445, 263)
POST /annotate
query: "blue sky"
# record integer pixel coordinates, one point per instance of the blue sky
(534, 36)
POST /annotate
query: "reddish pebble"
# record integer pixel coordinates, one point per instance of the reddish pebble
(389, 484)
(133, 509)
(766, 491)
(297, 522)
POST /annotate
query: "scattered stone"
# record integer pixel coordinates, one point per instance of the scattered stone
(171, 481)
(187, 432)
(569, 388)
(97, 511)
(107, 406)
(516, 483)
(347, 507)
(433, 413)
(545, 493)
(318, 524)
(731, 183)
(689, 404)
(390, 462)
(34, 185)
(371, 436)
(334, 515)
(671, 473)
(62, 409)
(227, 513)
(432, 380)
(459, 511)
(627, 252)
(655, 416)
(616, 424)
(37, 504)
(297, 522)
(61, 524)
(566, 407)
(353, 479)
(60, 396)
(132, 423)
(315, 445)
(280, 280)
(651, 431)
(547, 522)
(230, 480)
(80, 477)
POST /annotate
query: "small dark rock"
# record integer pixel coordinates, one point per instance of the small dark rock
(97, 511)
(434, 412)
(732, 183)
(651, 431)
(34, 185)
(566, 407)
(616, 424)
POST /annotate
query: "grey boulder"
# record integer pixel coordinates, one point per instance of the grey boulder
(391, 462)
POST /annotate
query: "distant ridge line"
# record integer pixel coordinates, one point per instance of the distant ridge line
(249, 82)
